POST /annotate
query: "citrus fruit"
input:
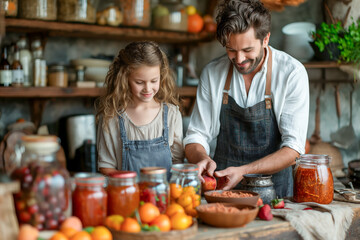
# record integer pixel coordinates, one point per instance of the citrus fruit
(195, 23)
(114, 221)
(163, 222)
(148, 212)
(173, 209)
(180, 221)
(196, 200)
(130, 225)
(59, 236)
(175, 190)
(101, 233)
(72, 222)
(68, 231)
(184, 199)
(190, 10)
(82, 235)
(189, 190)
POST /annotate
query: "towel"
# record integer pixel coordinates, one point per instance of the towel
(317, 221)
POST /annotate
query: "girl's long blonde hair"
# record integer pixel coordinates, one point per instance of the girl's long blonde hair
(118, 94)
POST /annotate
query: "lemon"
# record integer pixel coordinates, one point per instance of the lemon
(190, 10)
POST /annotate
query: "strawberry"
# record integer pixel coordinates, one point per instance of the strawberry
(278, 203)
(265, 213)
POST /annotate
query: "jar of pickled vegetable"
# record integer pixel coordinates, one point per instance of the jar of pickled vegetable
(313, 180)
(154, 187)
(45, 184)
(89, 199)
(123, 193)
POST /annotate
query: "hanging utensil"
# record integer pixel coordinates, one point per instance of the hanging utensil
(345, 136)
(337, 101)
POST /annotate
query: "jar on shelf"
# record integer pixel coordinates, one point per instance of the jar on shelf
(123, 193)
(10, 8)
(38, 9)
(109, 13)
(45, 185)
(136, 12)
(77, 10)
(57, 76)
(313, 180)
(154, 187)
(170, 15)
(89, 199)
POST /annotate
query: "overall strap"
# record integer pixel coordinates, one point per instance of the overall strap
(165, 121)
(227, 84)
(122, 129)
(268, 81)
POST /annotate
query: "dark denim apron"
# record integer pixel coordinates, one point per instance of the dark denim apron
(248, 134)
(146, 153)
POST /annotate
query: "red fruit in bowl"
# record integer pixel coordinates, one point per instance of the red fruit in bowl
(209, 184)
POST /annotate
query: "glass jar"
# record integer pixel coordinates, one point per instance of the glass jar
(57, 76)
(154, 187)
(38, 9)
(109, 13)
(77, 10)
(10, 8)
(89, 199)
(170, 15)
(123, 193)
(45, 184)
(136, 12)
(313, 180)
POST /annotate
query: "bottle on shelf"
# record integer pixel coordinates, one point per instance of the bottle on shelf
(26, 61)
(5, 69)
(17, 69)
(39, 65)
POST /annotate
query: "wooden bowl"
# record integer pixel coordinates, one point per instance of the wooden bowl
(227, 220)
(252, 201)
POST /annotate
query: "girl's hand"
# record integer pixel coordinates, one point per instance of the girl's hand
(232, 177)
(206, 166)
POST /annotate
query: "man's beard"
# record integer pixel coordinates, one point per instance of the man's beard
(254, 63)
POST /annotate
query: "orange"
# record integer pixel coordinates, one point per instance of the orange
(114, 221)
(195, 23)
(68, 231)
(82, 235)
(148, 212)
(58, 236)
(163, 222)
(72, 222)
(189, 190)
(175, 190)
(180, 221)
(191, 211)
(130, 225)
(184, 199)
(173, 209)
(101, 233)
(196, 200)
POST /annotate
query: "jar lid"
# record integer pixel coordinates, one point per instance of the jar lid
(41, 144)
(153, 170)
(185, 167)
(314, 158)
(89, 179)
(56, 67)
(123, 174)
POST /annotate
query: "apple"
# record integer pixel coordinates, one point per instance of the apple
(209, 184)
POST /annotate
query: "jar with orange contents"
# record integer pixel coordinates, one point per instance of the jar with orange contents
(123, 193)
(313, 180)
(154, 187)
(89, 199)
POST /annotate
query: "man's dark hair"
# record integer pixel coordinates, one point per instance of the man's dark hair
(238, 16)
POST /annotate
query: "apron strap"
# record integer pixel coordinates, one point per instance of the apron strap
(268, 81)
(227, 84)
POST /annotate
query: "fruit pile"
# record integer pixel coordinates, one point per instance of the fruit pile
(185, 197)
(196, 23)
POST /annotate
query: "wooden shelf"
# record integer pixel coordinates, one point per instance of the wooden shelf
(322, 64)
(55, 29)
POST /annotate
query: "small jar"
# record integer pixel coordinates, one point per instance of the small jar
(77, 10)
(89, 199)
(123, 193)
(38, 9)
(170, 15)
(313, 180)
(57, 76)
(136, 12)
(154, 187)
(10, 8)
(186, 175)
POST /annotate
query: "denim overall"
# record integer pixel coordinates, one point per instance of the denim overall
(146, 153)
(248, 134)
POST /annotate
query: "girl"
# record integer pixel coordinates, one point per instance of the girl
(139, 122)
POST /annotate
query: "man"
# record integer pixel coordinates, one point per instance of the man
(254, 101)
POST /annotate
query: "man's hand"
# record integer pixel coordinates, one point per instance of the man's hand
(232, 177)
(206, 166)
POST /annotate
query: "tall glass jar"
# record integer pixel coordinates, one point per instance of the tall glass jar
(77, 10)
(170, 15)
(136, 12)
(313, 180)
(10, 7)
(45, 184)
(38, 9)
(123, 193)
(89, 199)
(154, 187)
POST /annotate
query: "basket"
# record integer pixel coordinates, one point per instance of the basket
(171, 235)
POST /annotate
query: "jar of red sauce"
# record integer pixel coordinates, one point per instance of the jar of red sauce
(313, 180)
(89, 199)
(154, 187)
(123, 193)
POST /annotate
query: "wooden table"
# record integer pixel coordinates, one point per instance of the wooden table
(277, 228)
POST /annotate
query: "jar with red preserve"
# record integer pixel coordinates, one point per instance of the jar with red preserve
(45, 184)
(313, 180)
(154, 187)
(89, 199)
(123, 193)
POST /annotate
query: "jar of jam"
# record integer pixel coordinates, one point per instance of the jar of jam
(89, 199)
(45, 184)
(154, 187)
(123, 193)
(313, 180)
